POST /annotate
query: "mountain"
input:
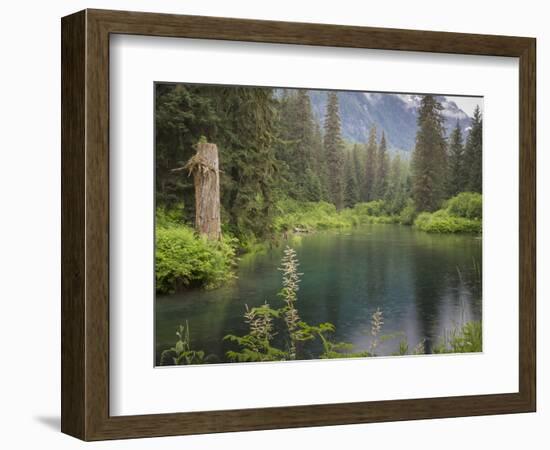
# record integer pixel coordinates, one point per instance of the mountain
(396, 114)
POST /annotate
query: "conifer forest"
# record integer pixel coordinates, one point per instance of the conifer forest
(295, 224)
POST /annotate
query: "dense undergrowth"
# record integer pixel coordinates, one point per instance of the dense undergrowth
(460, 214)
(185, 259)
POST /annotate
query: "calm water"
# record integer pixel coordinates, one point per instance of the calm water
(423, 283)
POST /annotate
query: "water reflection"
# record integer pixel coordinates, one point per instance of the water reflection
(423, 283)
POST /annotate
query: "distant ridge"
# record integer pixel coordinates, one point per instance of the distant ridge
(396, 114)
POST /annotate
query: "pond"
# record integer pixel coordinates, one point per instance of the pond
(425, 284)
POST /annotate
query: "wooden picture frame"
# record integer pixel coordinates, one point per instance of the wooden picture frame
(85, 224)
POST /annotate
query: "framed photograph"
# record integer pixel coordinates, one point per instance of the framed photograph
(273, 225)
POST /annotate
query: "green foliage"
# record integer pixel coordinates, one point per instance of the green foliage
(462, 215)
(183, 259)
(331, 350)
(165, 217)
(334, 152)
(256, 345)
(458, 176)
(473, 153)
(182, 114)
(466, 204)
(373, 212)
(442, 222)
(247, 158)
(242, 122)
(309, 216)
(382, 169)
(289, 294)
(181, 353)
(465, 339)
(408, 213)
(429, 160)
(369, 184)
(271, 147)
(299, 147)
(352, 193)
(397, 189)
(374, 208)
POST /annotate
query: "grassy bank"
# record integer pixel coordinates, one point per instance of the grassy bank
(315, 216)
(185, 259)
(460, 214)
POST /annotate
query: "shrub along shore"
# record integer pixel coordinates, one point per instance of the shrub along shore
(185, 259)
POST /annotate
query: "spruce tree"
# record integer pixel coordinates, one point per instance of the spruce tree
(351, 191)
(396, 195)
(334, 152)
(370, 167)
(304, 135)
(473, 153)
(319, 160)
(247, 158)
(429, 160)
(358, 164)
(297, 150)
(382, 168)
(182, 115)
(308, 179)
(457, 175)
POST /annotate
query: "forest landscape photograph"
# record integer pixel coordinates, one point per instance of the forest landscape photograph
(306, 224)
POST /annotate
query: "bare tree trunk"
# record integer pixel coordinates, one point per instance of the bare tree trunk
(204, 166)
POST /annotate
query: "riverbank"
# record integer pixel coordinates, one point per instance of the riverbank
(460, 214)
(184, 259)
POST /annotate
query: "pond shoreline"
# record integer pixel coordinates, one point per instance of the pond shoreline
(362, 267)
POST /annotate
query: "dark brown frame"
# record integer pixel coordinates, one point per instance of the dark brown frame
(85, 224)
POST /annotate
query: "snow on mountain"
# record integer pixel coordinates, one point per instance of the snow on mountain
(394, 114)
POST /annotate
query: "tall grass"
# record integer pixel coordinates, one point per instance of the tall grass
(467, 338)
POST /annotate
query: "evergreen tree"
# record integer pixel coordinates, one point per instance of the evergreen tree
(298, 147)
(334, 152)
(182, 115)
(382, 168)
(351, 192)
(473, 153)
(287, 144)
(308, 179)
(429, 160)
(370, 167)
(319, 161)
(396, 195)
(247, 157)
(358, 164)
(457, 174)
(241, 121)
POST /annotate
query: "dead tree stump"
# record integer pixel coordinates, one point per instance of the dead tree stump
(204, 166)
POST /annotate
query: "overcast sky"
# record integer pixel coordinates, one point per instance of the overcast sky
(467, 104)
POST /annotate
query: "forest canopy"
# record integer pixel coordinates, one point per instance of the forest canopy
(273, 150)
